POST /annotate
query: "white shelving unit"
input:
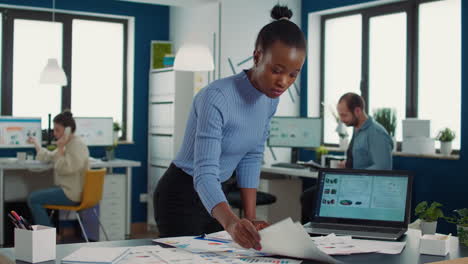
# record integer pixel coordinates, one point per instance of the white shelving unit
(170, 98)
(112, 207)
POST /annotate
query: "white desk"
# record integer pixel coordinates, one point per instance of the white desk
(286, 185)
(306, 173)
(13, 164)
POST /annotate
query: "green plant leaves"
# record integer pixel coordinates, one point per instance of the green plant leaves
(446, 135)
(429, 213)
(387, 118)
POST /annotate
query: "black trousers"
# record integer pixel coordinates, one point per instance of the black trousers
(309, 203)
(178, 209)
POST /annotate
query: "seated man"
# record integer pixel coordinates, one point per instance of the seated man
(370, 147)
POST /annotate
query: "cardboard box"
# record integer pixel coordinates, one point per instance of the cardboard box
(418, 145)
(413, 127)
(435, 244)
(35, 246)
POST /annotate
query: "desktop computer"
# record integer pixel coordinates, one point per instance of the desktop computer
(294, 133)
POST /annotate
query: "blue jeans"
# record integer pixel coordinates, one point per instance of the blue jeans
(38, 199)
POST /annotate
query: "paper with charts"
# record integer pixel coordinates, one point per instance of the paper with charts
(160, 255)
(284, 238)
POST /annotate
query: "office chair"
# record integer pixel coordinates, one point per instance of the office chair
(92, 195)
(234, 197)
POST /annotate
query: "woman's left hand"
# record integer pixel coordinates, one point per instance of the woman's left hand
(62, 141)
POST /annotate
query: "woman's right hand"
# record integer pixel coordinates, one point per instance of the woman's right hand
(244, 233)
(32, 140)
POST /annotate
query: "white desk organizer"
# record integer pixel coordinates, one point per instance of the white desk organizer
(434, 245)
(35, 246)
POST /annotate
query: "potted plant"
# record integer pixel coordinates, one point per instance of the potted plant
(428, 216)
(461, 220)
(110, 152)
(445, 137)
(116, 129)
(387, 118)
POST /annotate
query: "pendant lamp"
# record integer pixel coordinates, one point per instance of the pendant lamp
(193, 57)
(53, 73)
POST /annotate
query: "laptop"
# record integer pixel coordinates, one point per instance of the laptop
(362, 203)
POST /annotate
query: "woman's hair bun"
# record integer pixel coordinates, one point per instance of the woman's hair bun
(278, 12)
(67, 113)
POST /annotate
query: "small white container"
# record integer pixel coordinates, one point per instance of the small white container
(35, 246)
(435, 245)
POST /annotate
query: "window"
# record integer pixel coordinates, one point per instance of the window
(91, 50)
(340, 60)
(440, 66)
(29, 97)
(97, 63)
(387, 65)
(396, 55)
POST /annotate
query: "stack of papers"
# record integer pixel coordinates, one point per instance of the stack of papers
(100, 255)
(283, 238)
(346, 245)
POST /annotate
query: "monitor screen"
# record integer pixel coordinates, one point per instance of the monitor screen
(295, 132)
(14, 131)
(95, 131)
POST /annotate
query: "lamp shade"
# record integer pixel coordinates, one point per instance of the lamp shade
(53, 74)
(193, 58)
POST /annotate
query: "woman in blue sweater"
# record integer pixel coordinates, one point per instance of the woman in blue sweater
(226, 133)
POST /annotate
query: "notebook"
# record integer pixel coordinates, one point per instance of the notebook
(362, 203)
(101, 255)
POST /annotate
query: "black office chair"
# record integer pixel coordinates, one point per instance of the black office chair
(234, 197)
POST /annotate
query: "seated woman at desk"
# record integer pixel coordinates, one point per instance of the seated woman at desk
(70, 160)
(226, 132)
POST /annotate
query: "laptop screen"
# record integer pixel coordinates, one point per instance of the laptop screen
(364, 195)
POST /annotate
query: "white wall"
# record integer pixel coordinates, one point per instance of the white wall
(196, 25)
(236, 25)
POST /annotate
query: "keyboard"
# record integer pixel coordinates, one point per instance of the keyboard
(288, 165)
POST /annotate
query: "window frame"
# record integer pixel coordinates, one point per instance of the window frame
(411, 8)
(10, 14)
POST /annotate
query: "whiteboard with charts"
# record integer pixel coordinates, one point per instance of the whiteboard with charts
(14, 131)
(95, 131)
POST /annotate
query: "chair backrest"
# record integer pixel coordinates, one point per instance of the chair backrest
(93, 187)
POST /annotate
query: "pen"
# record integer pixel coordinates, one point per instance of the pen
(13, 220)
(18, 219)
(26, 223)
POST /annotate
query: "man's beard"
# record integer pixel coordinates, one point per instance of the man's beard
(354, 122)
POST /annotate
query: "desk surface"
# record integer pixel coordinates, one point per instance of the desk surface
(410, 254)
(13, 163)
(306, 172)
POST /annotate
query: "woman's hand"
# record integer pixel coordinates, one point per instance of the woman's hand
(33, 140)
(244, 233)
(259, 224)
(62, 141)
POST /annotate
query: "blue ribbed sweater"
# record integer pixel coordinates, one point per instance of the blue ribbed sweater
(226, 131)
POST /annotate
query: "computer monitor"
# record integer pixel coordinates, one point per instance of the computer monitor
(95, 131)
(14, 131)
(295, 132)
